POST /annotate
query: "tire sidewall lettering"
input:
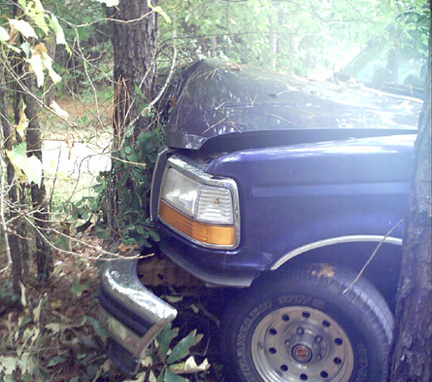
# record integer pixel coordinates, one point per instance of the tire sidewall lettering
(242, 338)
(298, 299)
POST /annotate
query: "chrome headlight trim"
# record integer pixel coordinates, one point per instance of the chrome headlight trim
(196, 174)
(157, 180)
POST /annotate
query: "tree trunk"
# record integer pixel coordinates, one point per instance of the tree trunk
(411, 358)
(22, 228)
(135, 48)
(134, 63)
(14, 245)
(41, 216)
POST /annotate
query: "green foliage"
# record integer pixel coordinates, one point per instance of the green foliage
(78, 288)
(90, 34)
(181, 350)
(132, 185)
(169, 358)
(296, 37)
(129, 184)
(39, 24)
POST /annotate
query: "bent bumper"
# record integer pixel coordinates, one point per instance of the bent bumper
(134, 315)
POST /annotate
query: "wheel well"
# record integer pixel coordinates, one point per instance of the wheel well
(382, 272)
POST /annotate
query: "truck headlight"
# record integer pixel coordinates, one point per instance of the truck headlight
(199, 206)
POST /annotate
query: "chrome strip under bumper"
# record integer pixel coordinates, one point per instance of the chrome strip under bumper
(134, 315)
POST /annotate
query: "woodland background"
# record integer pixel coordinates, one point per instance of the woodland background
(79, 135)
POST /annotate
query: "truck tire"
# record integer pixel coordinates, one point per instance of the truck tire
(300, 326)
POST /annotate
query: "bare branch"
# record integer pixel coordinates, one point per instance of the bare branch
(373, 255)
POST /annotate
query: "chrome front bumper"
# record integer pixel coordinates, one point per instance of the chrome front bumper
(134, 316)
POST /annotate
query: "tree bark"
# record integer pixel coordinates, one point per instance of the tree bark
(411, 357)
(135, 48)
(14, 245)
(44, 260)
(21, 226)
(134, 63)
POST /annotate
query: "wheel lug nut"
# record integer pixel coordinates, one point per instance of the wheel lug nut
(287, 343)
(300, 331)
(318, 339)
(319, 357)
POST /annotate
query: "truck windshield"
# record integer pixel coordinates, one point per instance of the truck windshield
(395, 61)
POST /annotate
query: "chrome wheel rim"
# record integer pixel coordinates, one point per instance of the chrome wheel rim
(298, 343)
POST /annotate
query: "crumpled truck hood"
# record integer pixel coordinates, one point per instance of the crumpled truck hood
(212, 98)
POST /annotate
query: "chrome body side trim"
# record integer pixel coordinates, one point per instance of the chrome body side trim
(334, 241)
(198, 175)
(120, 281)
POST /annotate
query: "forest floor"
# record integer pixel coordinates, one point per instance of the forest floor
(60, 330)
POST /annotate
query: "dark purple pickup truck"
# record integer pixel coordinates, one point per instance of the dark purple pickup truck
(281, 188)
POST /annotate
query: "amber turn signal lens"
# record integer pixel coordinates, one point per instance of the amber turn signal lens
(210, 234)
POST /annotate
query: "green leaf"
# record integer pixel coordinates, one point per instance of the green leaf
(140, 92)
(26, 48)
(100, 331)
(56, 327)
(181, 350)
(170, 376)
(154, 235)
(152, 377)
(133, 157)
(27, 377)
(36, 11)
(140, 377)
(77, 288)
(58, 30)
(4, 35)
(36, 66)
(37, 311)
(23, 27)
(63, 243)
(8, 364)
(130, 130)
(190, 366)
(164, 339)
(56, 361)
(14, 48)
(23, 294)
(160, 377)
(47, 61)
(23, 320)
(173, 299)
(31, 166)
(74, 379)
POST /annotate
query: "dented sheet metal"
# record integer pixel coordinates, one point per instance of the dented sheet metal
(212, 98)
